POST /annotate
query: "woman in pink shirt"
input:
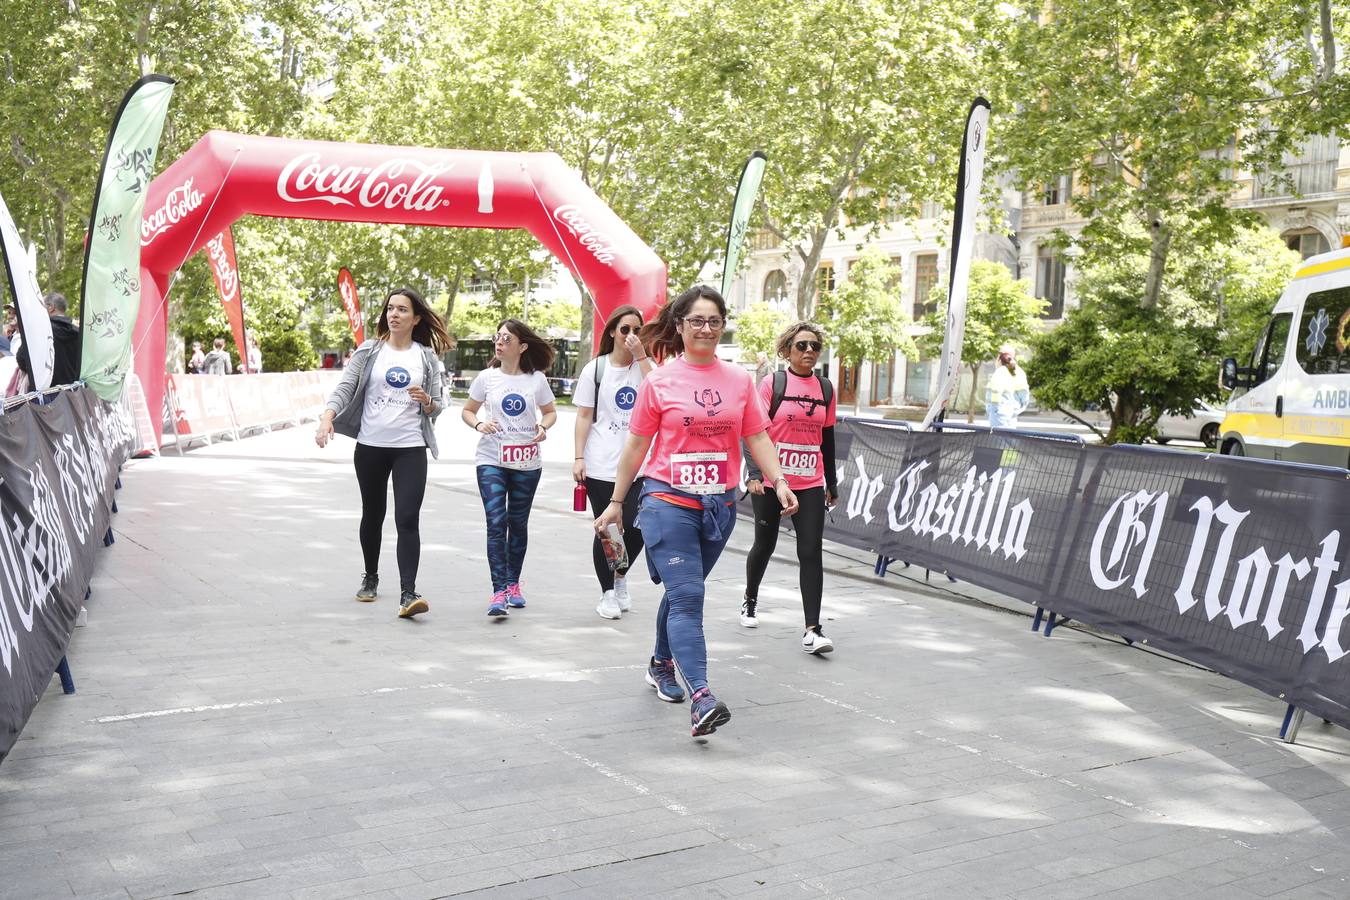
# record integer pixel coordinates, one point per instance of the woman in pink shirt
(801, 426)
(692, 414)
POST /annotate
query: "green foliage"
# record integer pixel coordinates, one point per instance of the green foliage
(757, 328)
(1152, 106)
(999, 310)
(1138, 363)
(478, 316)
(863, 315)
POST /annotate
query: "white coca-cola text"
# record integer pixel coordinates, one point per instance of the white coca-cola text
(306, 179)
(226, 276)
(180, 201)
(600, 244)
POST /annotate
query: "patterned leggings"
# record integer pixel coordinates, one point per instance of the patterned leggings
(507, 496)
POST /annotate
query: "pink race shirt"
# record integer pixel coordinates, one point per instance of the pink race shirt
(798, 427)
(698, 415)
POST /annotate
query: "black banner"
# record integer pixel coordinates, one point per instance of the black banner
(1234, 563)
(58, 468)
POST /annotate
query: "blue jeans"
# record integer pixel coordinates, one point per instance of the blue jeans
(507, 496)
(682, 547)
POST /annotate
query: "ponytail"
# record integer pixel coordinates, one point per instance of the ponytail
(662, 334)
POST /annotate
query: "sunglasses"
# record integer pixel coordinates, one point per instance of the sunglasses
(698, 323)
(626, 330)
(502, 339)
(803, 346)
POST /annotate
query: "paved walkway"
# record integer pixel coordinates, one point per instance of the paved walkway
(243, 728)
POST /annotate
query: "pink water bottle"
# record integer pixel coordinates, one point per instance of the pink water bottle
(579, 497)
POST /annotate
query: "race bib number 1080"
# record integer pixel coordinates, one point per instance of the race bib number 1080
(699, 473)
(801, 460)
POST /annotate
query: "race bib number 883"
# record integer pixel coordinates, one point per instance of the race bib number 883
(699, 473)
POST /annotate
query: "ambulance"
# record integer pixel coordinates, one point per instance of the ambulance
(1292, 399)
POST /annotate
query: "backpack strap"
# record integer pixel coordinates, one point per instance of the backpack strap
(826, 390)
(599, 373)
(779, 391)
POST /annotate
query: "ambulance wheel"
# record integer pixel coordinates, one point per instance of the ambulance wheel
(1209, 435)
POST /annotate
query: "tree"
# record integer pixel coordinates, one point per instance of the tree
(1138, 363)
(999, 311)
(863, 317)
(1152, 106)
(757, 328)
(853, 101)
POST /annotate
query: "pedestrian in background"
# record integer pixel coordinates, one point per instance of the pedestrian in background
(197, 362)
(254, 355)
(605, 394)
(218, 362)
(1006, 396)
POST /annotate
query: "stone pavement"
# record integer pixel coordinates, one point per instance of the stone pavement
(243, 728)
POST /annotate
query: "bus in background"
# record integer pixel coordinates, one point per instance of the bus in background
(472, 355)
(1291, 401)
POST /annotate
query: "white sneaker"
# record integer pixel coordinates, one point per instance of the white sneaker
(621, 594)
(608, 607)
(748, 617)
(815, 642)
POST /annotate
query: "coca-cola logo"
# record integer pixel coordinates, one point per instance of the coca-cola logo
(600, 244)
(227, 279)
(180, 201)
(394, 184)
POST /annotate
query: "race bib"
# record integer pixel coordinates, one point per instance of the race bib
(518, 456)
(801, 460)
(699, 473)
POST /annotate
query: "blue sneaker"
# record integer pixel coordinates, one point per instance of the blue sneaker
(707, 713)
(513, 597)
(497, 609)
(661, 675)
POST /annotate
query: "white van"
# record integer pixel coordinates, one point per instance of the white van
(1292, 400)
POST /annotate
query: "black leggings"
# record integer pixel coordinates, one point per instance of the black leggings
(600, 493)
(809, 523)
(408, 465)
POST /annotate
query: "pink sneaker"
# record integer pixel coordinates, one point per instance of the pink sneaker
(513, 598)
(497, 609)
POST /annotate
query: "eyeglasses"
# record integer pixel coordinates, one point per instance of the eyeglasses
(698, 323)
(502, 339)
(626, 330)
(803, 346)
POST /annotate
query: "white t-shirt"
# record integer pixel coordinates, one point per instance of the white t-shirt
(390, 416)
(618, 394)
(512, 401)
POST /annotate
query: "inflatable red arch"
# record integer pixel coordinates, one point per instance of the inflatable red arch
(225, 176)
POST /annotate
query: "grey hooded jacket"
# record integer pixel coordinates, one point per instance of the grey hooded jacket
(349, 397)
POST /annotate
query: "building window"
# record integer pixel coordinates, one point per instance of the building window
(825, 278)
(1050, 282)
(776, 289)
(925, 276)
(931, 209)
(1308, 242)
(1057, 191)
(1311, 169)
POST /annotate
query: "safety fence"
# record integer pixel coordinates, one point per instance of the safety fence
(60, 454)
(1225, 561)
(208, 407)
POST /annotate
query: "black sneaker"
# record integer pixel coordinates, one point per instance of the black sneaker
(410, 604)
(748, 618)
(369, 584)
(707, 713)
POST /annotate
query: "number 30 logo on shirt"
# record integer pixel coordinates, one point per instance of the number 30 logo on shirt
(625, 397)
(513, 404)
(397, 377)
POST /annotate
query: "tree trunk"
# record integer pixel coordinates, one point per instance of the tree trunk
(452, 294)
(587, 333)
(974, 384)
(806, 287)
(1157, 259)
